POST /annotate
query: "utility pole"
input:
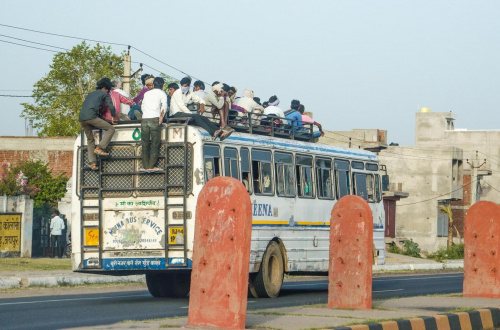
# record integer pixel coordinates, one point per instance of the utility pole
(474, 180)
(127, 69)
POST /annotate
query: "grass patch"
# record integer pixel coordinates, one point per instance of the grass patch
(460, 310)
(29, 264)
(456, 251)
(372, 321)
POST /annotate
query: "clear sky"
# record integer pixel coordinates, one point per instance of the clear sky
(354, 64)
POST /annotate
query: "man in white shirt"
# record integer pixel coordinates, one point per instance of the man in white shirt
(273, 109)
(153, 109)
(56, 228)
(198, 90)
(190, 99)
(178, 109)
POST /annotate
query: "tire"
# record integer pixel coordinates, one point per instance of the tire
(171, 285)
(269, 279)
(251, 286)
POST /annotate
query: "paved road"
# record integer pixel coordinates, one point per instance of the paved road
(68, 311)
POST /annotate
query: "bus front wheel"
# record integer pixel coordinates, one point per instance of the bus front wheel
(267, 283)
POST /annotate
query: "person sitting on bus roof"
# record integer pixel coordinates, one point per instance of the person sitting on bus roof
(117, 100)
(309, 120)
(89, 119)
(179, 110)
(293, 114)
(248, 103)
(199, 89)
(154, 106)
(215, 101)
(124, 107)
(147, 83)
(272, 108)
(189, 98)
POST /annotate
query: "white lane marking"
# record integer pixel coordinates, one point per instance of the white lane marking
(286, 286)
(184, 307)
(389, 290)
(72, 299)
(414, 278)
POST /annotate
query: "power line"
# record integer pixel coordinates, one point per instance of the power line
(14, 43)
(62, 35)
(430, 199)
(99, 41)
(33, 42)
(170, 66)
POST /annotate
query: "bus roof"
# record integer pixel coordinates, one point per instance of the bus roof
(256, 140)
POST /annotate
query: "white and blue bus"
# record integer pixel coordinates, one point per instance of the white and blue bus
(130, 222)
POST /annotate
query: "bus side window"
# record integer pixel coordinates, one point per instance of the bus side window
(262, 172)
(284, 174)
(360, 187)
(211, 162)
(324, 178)
(303, 165)
(231, 163)
(377, 188)
(245, 169)
(342, 178)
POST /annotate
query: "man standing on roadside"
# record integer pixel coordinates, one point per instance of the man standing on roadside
(153, 108)
(56, 228)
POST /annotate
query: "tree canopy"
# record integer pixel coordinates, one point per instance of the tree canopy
(59, 95)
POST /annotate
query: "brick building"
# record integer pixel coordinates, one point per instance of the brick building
(57, 152)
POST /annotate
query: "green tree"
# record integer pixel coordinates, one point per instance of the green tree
(59, 95)
(35, 179)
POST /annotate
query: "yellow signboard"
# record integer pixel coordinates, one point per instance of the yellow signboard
(91, 237)
(176, 235)
(10, 232)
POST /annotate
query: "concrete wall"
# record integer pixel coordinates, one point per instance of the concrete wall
(21, 204)
(427, 175)
(431, 130)
(56, 152)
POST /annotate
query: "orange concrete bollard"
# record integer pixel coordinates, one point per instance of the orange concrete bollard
(221, 255)
(351, 241)
(482, 251)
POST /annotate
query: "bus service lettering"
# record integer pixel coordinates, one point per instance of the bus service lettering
(262, 210)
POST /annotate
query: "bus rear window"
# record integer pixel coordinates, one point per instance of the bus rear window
(324, 178)
(284, 174)
(231, 163)
(342, 178)
(303, 165)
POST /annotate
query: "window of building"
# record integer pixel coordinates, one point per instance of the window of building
(285, 184)
(304, 172)
(324, 178)
(262, 172)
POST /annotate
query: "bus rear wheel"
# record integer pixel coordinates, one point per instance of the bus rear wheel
(173, 285)
(267, 283)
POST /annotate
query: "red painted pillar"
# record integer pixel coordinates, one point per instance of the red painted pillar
(351, 244)
(481, 251)
(221, 255)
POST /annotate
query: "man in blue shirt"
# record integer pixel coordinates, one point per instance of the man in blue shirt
(294, 115)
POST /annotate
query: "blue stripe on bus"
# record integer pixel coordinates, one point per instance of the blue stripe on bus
(140, 263)
(274, 143)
